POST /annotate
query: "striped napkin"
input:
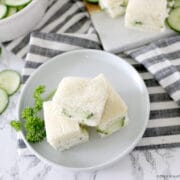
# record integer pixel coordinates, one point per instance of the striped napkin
(47, 45)
(162, 59)
(66, 26)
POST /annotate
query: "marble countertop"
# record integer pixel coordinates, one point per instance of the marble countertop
(159, 164)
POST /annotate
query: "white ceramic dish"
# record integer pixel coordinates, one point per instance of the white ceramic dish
(98, 152)
(23, 21)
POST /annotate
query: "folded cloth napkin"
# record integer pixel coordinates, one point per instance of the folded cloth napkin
(159, 65)
(44, 46)
(71, 30)
(162, 59)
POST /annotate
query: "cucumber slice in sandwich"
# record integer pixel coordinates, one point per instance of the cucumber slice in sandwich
(3, 100)
(173, 19)
(3, 11)
(10, 81)
(16, 3)
(113, 127)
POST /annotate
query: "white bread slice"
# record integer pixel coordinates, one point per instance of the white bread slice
(115, 114)
(146, 15)
(81, 99)
(61, 132)
(114, 7)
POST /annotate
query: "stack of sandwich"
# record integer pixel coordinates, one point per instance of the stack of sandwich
(78, 103)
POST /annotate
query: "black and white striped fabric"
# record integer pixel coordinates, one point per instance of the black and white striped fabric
(44, 46)
(159, 66)
(62, 16)
(163, 128)
(162, 59)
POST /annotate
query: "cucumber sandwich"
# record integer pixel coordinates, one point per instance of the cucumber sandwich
(115, 114)
(61, 132)
(146, 15)
(82, 100)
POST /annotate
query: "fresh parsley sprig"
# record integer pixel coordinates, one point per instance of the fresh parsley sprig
(33, 124)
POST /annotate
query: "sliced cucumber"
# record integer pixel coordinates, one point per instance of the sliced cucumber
(2, 1)
(11, 11)
(16, 3)
(3, 11)
(113, 127)
(3, 100)
(173, 19)
(19, 8)
(92, 1)
(177, 3)
(170, 3)
(10, 81)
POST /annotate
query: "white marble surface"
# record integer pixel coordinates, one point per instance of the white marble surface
(161, 164)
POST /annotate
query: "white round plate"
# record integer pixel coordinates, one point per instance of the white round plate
(98, 152)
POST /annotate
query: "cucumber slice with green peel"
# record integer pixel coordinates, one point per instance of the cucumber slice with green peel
(11, 11)
(170, 3)
(3, 100)
(3, 11)
(2, 1)
(19, 8)
(173, 19)
(16, 3)
(113, 127)
(10, 81)
(176, 3)
(92, 1)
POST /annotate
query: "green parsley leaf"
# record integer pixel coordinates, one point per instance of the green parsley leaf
(16, 125)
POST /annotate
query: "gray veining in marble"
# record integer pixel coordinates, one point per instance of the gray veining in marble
(137, 168)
